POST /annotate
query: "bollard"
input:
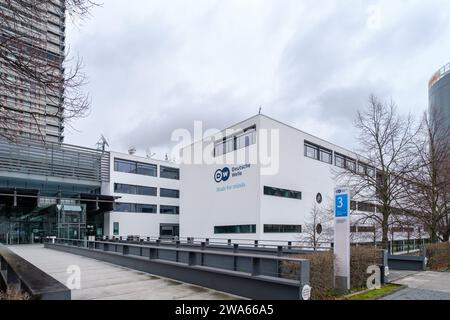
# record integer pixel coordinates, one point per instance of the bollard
(256, 243)
(207, 242)
(203, 245)
(229, 242)
(235, 247)
(290, 245)
(148, 239)
(177, 243)
(158, 242)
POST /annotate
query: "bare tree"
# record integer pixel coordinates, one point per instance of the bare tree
(429, 191)
(32, 77)
(386, 142)
(318, 228)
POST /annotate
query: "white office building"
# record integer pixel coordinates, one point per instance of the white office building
(147, 195)
(270, 198)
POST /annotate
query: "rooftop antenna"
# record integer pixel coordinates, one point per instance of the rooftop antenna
(132, 150)
(102, 143)
(260, 109)
(150, 154)
(166, 157)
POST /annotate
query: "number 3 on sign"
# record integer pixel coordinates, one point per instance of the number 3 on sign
(340, 202)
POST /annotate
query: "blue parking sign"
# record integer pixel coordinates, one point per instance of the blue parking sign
(341, 205)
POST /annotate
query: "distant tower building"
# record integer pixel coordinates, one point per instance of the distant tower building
(439, 94)
(36, 111)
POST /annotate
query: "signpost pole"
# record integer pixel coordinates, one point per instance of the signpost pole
(342, 239)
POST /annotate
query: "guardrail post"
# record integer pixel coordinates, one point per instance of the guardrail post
(105, 247)
(256, 266)
(229, 242)
(153, 254)
(280, 251)
(125, 250)
(207, 242)
(12, 280)
(203, 245)
(2, 264)
(148, 239)
(235, 250)
(304, 276)
(192, 258)
(158, 242)
(290, 245)
(256, 243)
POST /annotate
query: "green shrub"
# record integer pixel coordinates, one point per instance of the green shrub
(321, 273)
(13, 295)
(322, 270)
(361, 258)
(438, 255)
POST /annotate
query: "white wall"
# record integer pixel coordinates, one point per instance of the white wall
(203, 206)
(142, 224)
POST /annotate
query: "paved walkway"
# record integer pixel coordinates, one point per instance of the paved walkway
(104, 281)
(426, 285)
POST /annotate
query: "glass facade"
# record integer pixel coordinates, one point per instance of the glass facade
(282, 228)
(229, 144)
(250, 228)
(135, 207)
(439, 99)
(169, 209)
(169, 193)
(169, 173)
(283, 193)
(138, 190)
(127, 166)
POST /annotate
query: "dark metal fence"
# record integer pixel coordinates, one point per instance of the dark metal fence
(17, 274)
(250, 275)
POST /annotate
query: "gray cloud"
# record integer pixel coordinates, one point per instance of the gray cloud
(156, 66)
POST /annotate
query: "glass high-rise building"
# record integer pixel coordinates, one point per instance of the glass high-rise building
(32, 110)
(439, 95)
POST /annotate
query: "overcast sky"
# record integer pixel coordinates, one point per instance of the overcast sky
(155, 66)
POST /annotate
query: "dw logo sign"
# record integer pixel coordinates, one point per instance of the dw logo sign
(222, 175)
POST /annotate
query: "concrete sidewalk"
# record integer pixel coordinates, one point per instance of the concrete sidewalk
(426, 285)
(104, 281)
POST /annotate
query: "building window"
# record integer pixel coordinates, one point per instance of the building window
(311, 151)
(127, 166)
(284, 193)
(124, 166)
(246, 139)
(318, 153)
(350, 165)
(138, 190)
(169, 210)
(135, 208)
(282, 228)
(362, 229)
(229, 144)
(339, 161)
(146, 169)
(146, 208)
(251, 228)
(169, 173)
(169, 193)
(116, 228)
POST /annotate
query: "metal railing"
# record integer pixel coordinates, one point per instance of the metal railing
(252, 275)
(265, 245)
(17, 274)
